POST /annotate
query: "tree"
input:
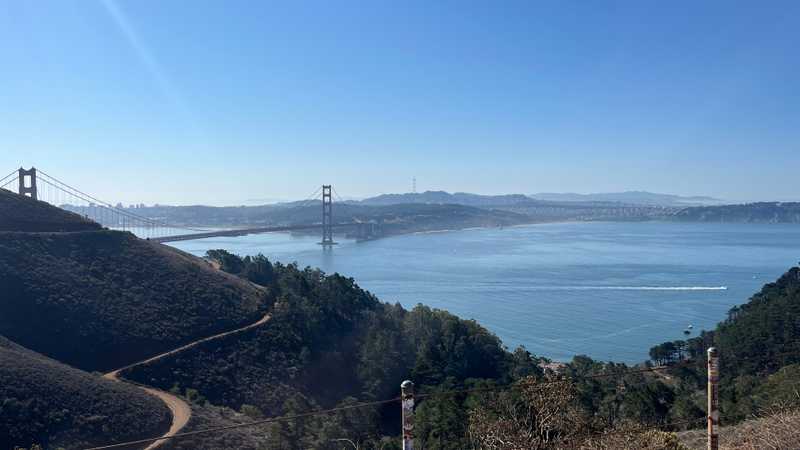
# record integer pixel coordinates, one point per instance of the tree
(536, 414)
(227, 261)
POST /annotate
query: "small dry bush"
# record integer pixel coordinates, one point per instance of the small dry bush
(631, 438)
(776, 429)
(544, 414)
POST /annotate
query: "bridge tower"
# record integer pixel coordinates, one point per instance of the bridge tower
(27, 182)
(327, 216)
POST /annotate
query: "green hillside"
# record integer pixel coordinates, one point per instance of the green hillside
(19, 213)
(45, 402)
(99, 300)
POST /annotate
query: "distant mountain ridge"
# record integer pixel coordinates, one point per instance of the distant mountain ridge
(630, 197)
(442, 197)
(463, 198)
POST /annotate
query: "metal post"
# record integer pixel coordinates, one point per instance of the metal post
(407, 397)
(713, 399)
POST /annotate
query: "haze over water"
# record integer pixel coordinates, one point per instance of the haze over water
(607, 290)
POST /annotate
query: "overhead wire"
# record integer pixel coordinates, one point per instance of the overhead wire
(441, 393)
(254, 423)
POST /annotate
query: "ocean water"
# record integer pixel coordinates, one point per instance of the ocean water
(607, 290)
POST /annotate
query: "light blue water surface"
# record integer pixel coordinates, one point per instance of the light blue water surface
(607, 290)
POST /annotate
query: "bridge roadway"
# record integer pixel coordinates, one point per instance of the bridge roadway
(244, 232)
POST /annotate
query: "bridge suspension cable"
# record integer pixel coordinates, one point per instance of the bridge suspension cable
(50, 189)
(43, 186)
(308, 200)
(9, 184)
(64, 186)
(338, 197)
(2, 180)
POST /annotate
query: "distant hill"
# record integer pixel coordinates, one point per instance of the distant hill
(398, 218)
(630, 197)
(18, 213)
(48, 403)
(765, 212)
(101, 299)
(441, 197)
(641, 198)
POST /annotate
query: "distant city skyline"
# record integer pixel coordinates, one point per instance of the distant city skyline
(223, 103)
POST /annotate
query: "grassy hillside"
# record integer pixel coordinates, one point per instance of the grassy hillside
(18, 213)
(46, 402)
(99, 300)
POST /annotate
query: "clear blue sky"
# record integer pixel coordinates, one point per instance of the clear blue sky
(222, 102)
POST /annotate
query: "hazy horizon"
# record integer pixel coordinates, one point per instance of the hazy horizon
(217, 103)
(688, 200)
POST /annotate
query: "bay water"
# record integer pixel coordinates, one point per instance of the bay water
(609, 290)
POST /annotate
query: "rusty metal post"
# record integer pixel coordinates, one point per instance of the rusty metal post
(407, 398)
(713, 399)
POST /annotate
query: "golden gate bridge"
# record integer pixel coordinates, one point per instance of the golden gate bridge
(41, 186)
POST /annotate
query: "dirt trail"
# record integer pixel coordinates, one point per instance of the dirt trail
(181, 412)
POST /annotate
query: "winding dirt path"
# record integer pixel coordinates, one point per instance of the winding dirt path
(181, 412)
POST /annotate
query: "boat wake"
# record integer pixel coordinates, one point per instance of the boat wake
(631, 288)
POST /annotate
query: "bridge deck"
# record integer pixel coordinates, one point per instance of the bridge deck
(243, 232)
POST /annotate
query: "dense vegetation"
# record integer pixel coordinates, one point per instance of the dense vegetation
(46, 402)
(19, 213)
(99, 300)
(330, 343)
(759, 348)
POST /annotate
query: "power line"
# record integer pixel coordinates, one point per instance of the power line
(250, 424)
(558, 380)
(644, 428)
(623, 373)
(443, 393)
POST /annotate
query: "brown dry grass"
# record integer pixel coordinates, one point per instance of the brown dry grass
(778, 429)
